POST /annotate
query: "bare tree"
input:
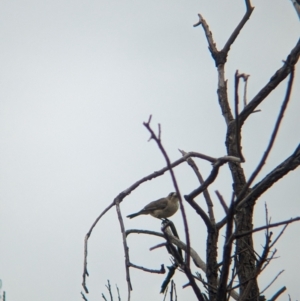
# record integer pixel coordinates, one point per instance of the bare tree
(236, 275)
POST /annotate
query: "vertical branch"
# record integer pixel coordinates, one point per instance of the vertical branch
(186, 228)
(125, 246)
(222, 289)
(186, 266)
(236, 109)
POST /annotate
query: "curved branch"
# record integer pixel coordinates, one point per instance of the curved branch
(206, 194)
(249, 10)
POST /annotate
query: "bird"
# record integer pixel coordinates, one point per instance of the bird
(162, 208)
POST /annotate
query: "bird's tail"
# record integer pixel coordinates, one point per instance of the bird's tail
(133, 215)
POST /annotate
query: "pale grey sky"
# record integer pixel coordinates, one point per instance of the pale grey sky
(77, 80)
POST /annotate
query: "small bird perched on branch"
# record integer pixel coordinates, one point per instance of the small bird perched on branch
(162, 208)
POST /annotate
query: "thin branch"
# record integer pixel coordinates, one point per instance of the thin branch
(233, 275)
(175, 292)
(159, 144)
(206, 195)
(171, 291)
(210, 179)
(279, 235)
(268, 260)
(272, 140)
(83, 296)
(239, 235)
(170, 274)
(274, 81)
(158, 246)
(278, 294)
(249, 10)
(271, 282)
(200, 211)
(138, 231)
(187, 257)
(211, 44)
(125, 247)
(118, 291)
(276, 174)
(245, 77)
(165, 294)
(109, 290)
(221, 294)
(264, 256)
(103, 296)
(222, 201)
(161, 271)
(236, 109)
(85, 271)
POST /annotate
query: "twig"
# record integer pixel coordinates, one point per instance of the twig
(159, 144)
(233, 274)
(170, 274)
(157, 246)
(85, 271)
(221, 294)
(239, 235)
(109, 290)
(263, 257)
(207, 198)
(103, 296)
(210, 179)
(118, 291)
(236, 109)
(165, 294)
(278, 294)
(138, 231)
(249, 10)
(222, 201)
(271, 282)
(245, 77)
(171, 291)
(277, 173)
(268, 260)
(83, 296)
(211, 44)
(200, 211)
(174, 286)
(279, 235)
(161, 271)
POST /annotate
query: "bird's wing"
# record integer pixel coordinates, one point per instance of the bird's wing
(159, 204)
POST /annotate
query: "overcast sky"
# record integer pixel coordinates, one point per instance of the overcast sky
(77, 80)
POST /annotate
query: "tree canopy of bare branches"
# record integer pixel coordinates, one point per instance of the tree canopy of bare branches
(236, 275)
